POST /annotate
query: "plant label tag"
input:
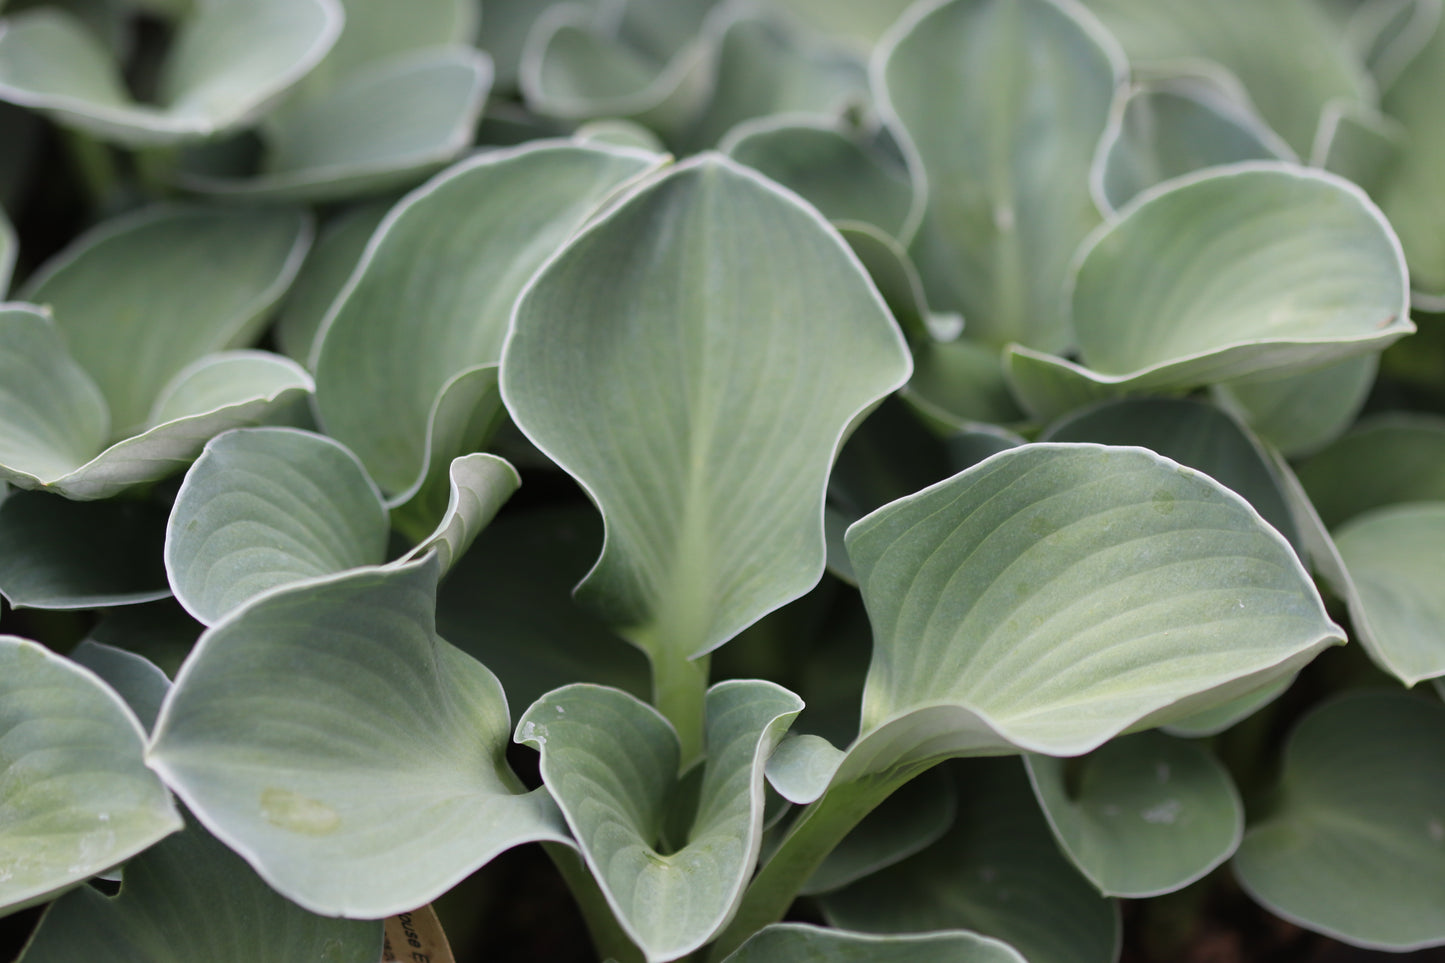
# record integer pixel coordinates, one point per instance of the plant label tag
(415, 937)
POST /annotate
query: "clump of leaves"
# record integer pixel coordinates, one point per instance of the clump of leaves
(1063, 352)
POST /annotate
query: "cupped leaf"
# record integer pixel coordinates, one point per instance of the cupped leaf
(1173, 127)
(1287, 56)
(480, 485)
(349, 754)
(508, 603)
(384, 126)
(997, 872)
(1413, 196)
(1252, 269)
(836, 169)
(53, 418)
(801, 943)
(1143, 815)
(228, 62)
(1301, 413)
(802, 767)
(611, 762)
(432, 297)
(59, 554)
(1394, 556)
(641, 59)
(1362, 797)
(78, 798)
(767, 67)
(142, 296)
(338, 249)
(1002, 106)
(1385, 460)
(377, 29)
(266, 507)
(224, 379)
(1192, 433)
(1055, 595)
(749, 339)
(170, 446)
(190, 898)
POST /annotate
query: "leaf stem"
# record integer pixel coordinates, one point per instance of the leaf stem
(679, 692)
(814, 834)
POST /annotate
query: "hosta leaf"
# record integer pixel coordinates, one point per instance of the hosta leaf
(1362, 798)
(641, 59)
(1391, 35)
(1145, 815)
(1361, 144)
(1395, 556)
(998, 872)
(353, 757)
(59, 554)
(376, 29)
(167, 448)
(53, 418)
(142, 296)
(384, 125)
(767, 67)
(225, 379)
(267, 507)
(7, 252)
(508, 603)
(1003, 104)
(800, 943)
(1413, 196)
(1192, 433)
(611, 762)
(161, 632)
(1301, 413)
(78, 798)
(739, 322)
(1281, 269)
(907, 822)
(337, 250)
(1103, 589)
(861, 22)
(434, 292)
(801, 767)
(891, 268)
(228, 62)
(619, 133)
(1173, 127)
(480, 485)
(835, 169)
(190, 898)
(960, 384)
(54, 422)
(1385, 460)
(467, 412)
(1286, 55)
(136, 679)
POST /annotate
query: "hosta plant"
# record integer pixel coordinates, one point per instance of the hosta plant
(775, 481)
